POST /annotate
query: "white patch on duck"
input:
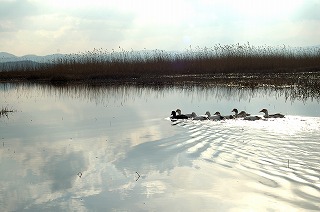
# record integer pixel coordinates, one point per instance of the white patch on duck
(215, 117)
(267, 115)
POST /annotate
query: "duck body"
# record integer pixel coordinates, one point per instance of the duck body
(224, 117)
(175, 116)
(252, 118)
(201, 118)
(267, 115)
(242, 114)
(215, 117)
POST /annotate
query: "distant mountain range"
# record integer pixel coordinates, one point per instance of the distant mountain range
(9, 61)
(7, 57)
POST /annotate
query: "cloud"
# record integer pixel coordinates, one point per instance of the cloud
(17, 9)
(102, 24)
(62, 169)
(42, 27)
(309, 11)
(68, 29)
(13, 14)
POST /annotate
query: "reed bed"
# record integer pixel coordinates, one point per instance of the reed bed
(229, 63)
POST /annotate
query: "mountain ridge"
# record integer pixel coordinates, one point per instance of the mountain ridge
(8, 57)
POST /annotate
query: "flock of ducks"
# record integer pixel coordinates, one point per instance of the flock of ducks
(218, 117)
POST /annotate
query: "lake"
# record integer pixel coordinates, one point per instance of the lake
(114, 148)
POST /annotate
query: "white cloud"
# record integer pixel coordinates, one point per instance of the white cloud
(42, 27)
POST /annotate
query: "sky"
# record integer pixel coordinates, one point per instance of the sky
(44, 27)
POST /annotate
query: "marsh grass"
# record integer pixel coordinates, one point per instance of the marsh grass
(4, 111)
(235, 64)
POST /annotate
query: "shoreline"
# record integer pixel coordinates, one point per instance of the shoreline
(253, 79)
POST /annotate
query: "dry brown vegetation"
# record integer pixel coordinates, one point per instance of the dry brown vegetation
(235, 64)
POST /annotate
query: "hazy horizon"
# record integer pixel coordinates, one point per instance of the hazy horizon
(46, 27)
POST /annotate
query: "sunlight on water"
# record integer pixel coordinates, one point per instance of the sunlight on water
(114, 148)
(280, 154)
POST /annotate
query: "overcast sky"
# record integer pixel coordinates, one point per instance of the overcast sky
(69, 26)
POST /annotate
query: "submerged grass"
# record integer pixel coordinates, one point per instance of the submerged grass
(4, 111)
(246, 65)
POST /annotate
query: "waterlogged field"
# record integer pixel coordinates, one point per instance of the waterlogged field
(104, 148)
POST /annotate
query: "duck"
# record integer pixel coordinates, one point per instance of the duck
(267, 115)
(224, 117)
(215, 117)
(175, 116)
(246, 116)
(192, 115)
(242, 114)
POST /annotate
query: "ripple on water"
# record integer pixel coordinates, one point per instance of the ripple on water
(276, 153)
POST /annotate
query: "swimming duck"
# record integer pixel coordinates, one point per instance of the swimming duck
(175, 116)
(192, 115)
(244, 114)
(267, 115)
(241, 114)
(215, 117)
(224, 117)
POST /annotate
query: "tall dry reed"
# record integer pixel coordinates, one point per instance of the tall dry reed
(120, 64)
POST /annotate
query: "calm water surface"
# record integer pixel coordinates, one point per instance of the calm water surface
(114, 149)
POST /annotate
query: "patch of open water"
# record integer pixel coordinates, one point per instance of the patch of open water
(114, 148)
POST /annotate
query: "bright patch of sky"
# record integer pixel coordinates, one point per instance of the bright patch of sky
(70, 26)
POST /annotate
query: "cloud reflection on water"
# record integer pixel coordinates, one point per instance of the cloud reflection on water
(110, 133)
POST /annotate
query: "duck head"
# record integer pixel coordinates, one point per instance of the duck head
(263, 111)
(235, 110)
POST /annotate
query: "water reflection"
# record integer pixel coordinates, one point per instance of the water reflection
(288, 100)
(109, 133)
(99, 93)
